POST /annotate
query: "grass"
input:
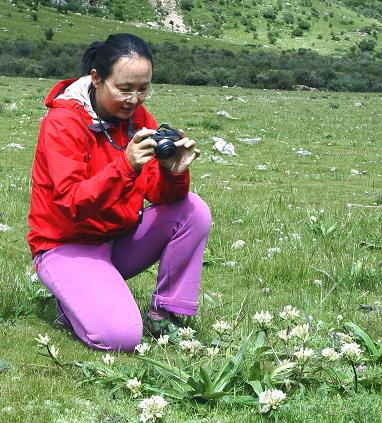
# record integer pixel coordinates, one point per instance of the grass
(274, 205)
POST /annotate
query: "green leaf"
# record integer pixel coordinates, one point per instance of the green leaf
(241, 399)
(256, 385)
(206, 379)
(231, 367)
(174, 372)
(370, 345)
(283, 370)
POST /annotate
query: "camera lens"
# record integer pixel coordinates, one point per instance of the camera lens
(165, 149)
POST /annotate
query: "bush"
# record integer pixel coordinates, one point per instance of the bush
(198, 77)
(269, 14)
(297, 32)
(367, 44)
(49, 34)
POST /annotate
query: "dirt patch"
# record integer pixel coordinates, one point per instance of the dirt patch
(174, 20)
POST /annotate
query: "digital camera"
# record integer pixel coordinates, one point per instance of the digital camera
(165, 137)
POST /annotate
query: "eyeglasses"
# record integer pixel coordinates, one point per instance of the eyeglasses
(129, 95)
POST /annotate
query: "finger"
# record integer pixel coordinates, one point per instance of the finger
(189, 144)
(181, 133)
(147, 143)
(142, 133)
(181, 142)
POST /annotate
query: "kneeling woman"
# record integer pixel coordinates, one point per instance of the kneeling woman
(94, 166)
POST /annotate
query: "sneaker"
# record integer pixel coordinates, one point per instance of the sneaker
(167, 326)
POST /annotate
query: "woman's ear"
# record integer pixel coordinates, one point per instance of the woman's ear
(96, 79)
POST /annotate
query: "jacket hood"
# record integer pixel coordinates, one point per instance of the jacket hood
(72, 91)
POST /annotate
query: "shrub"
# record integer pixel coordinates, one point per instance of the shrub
(49, 34)
(197, 77)
(269, 14)
(367, 44)
(297, 32)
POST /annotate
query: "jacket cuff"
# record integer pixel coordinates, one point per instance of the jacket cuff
(125, 167)
(175, 175)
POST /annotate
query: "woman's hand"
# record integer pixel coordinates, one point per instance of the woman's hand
(138, 151)
(185, 154)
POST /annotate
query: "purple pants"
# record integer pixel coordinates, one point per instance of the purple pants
(89, 280)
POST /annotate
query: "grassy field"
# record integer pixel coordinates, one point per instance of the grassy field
(281, 204)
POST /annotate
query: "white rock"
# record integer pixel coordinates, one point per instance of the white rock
(4, 227)
(223, 146)
(225, 114)
(238, 244)
(303, 153)
(262, 167)
(219, 160)
(14, 146)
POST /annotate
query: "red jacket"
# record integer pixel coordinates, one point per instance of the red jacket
(83, 189)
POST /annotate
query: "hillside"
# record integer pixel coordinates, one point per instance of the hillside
(328, 27)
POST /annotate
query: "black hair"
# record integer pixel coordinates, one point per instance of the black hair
(101, 55)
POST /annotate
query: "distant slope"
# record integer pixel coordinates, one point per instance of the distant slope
(328, 27)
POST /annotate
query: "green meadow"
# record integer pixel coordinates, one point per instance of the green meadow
(305, 198)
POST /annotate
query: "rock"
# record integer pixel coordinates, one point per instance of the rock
(223, 146)
(225, 114)
(303, 153)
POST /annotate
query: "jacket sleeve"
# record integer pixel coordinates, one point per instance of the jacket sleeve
(77, 195)
(163, 186)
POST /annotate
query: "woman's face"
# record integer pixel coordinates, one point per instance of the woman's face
(129, 74)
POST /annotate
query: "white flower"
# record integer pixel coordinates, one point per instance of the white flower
(190, 346)
(355, 172)
(263, 319)
(54, 351)
(142, 349)
(303, 354)
(163, 340)
(212, 351)
(351, 351)
(272, 251)
(4, 227)
(301, 332)
(290, 313)
(238, 244)
(340, 318)
(34, 277)
(283, 335)
(344, 338)
(221, 327)
(134, 385)
(43, 340)
(108, 359)
(330, 354)
(186, 333)
(317, 282)
(313, 219)
(152, 408)
(271, 399)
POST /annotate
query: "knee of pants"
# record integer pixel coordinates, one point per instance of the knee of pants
(199, 213)
(122, 338)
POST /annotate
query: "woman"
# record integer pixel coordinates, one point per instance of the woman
(94, 166)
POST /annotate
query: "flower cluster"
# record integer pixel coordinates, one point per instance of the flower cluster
(263, 319)
(290, 313)
(134, 386)
(192, 346)
(152, 408)
(142, 349)
(351, 352)
(186, 333)
(222, 327)
(271, 399)
(108, 359)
